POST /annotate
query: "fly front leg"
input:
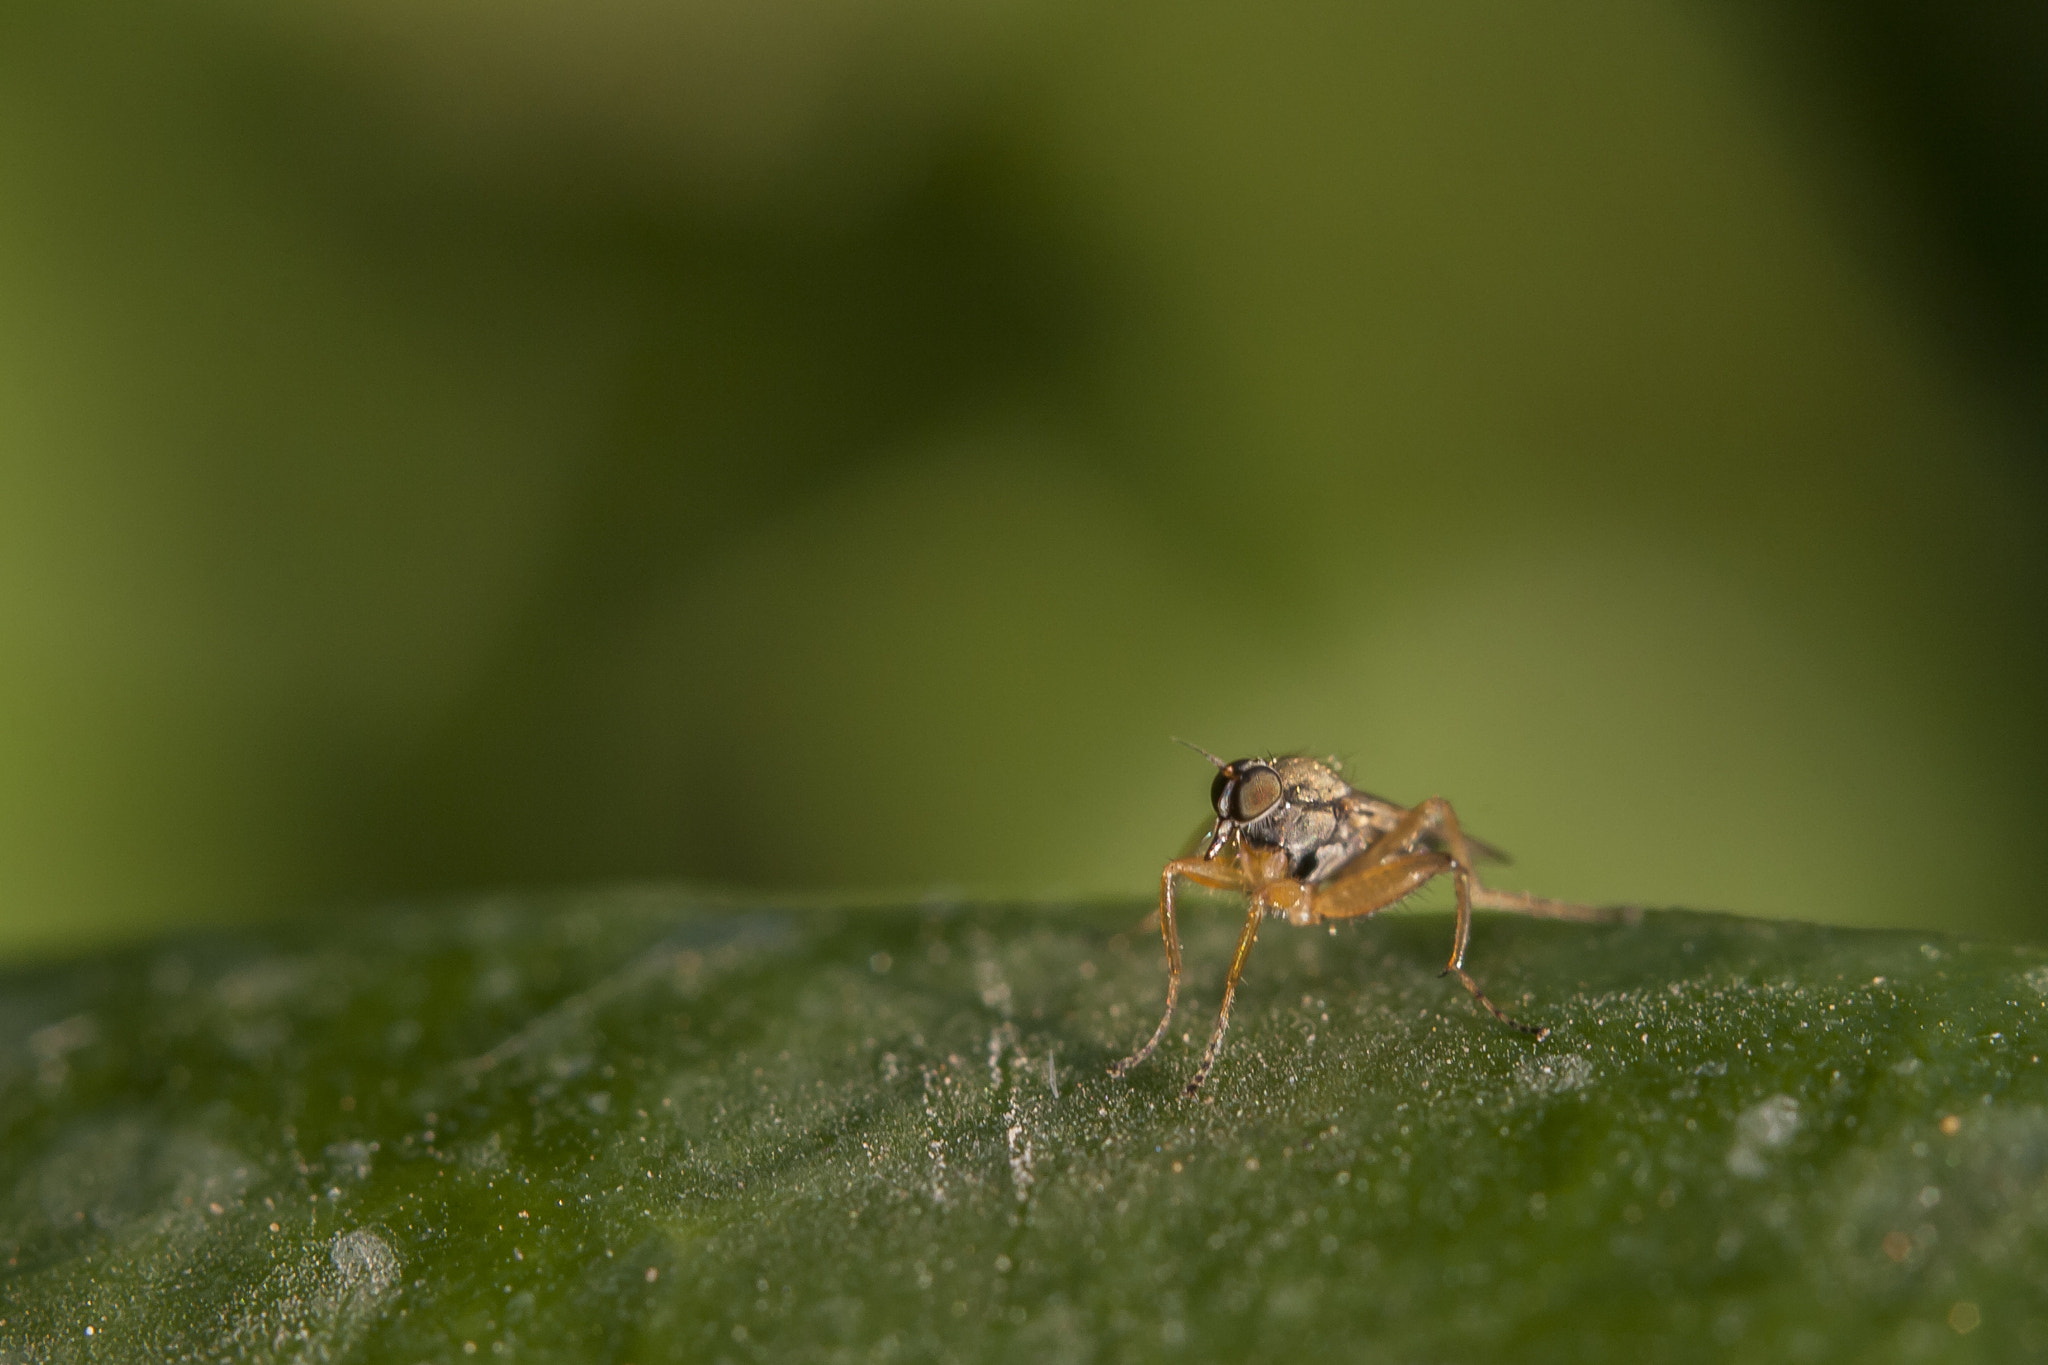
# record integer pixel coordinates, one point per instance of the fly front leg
(1244, 950)
(1203, 871)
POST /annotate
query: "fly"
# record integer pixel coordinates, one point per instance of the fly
(1307, 847)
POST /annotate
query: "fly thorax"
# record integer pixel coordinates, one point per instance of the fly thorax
(1304, 832)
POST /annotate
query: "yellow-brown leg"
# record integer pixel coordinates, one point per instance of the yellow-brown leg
(1438, 817)
(1380, 876)
(1244, 950)
(1435, 816)
(1541, 907)
(1372, 889)
(1462, 878)
(1218, 874)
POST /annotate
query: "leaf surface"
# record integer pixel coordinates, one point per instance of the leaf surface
(642, 1127)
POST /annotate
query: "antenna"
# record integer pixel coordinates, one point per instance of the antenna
(1220, 763)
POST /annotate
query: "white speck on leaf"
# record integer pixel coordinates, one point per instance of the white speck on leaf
(53, 1043)
(1761, 1128)
(1553, 1075)
(995, 992)
(366, 1262)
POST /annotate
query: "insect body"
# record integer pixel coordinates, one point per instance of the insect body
(1308, 847)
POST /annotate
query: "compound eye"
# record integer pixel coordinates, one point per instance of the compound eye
(1258, 790)
(1219, 793)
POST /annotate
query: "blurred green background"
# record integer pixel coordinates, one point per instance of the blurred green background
(448, 446)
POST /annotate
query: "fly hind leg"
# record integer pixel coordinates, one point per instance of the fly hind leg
(1394, 866)
(1542, 907)
(1435, 815)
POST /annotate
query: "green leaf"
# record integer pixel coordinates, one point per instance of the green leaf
(638, 1127)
